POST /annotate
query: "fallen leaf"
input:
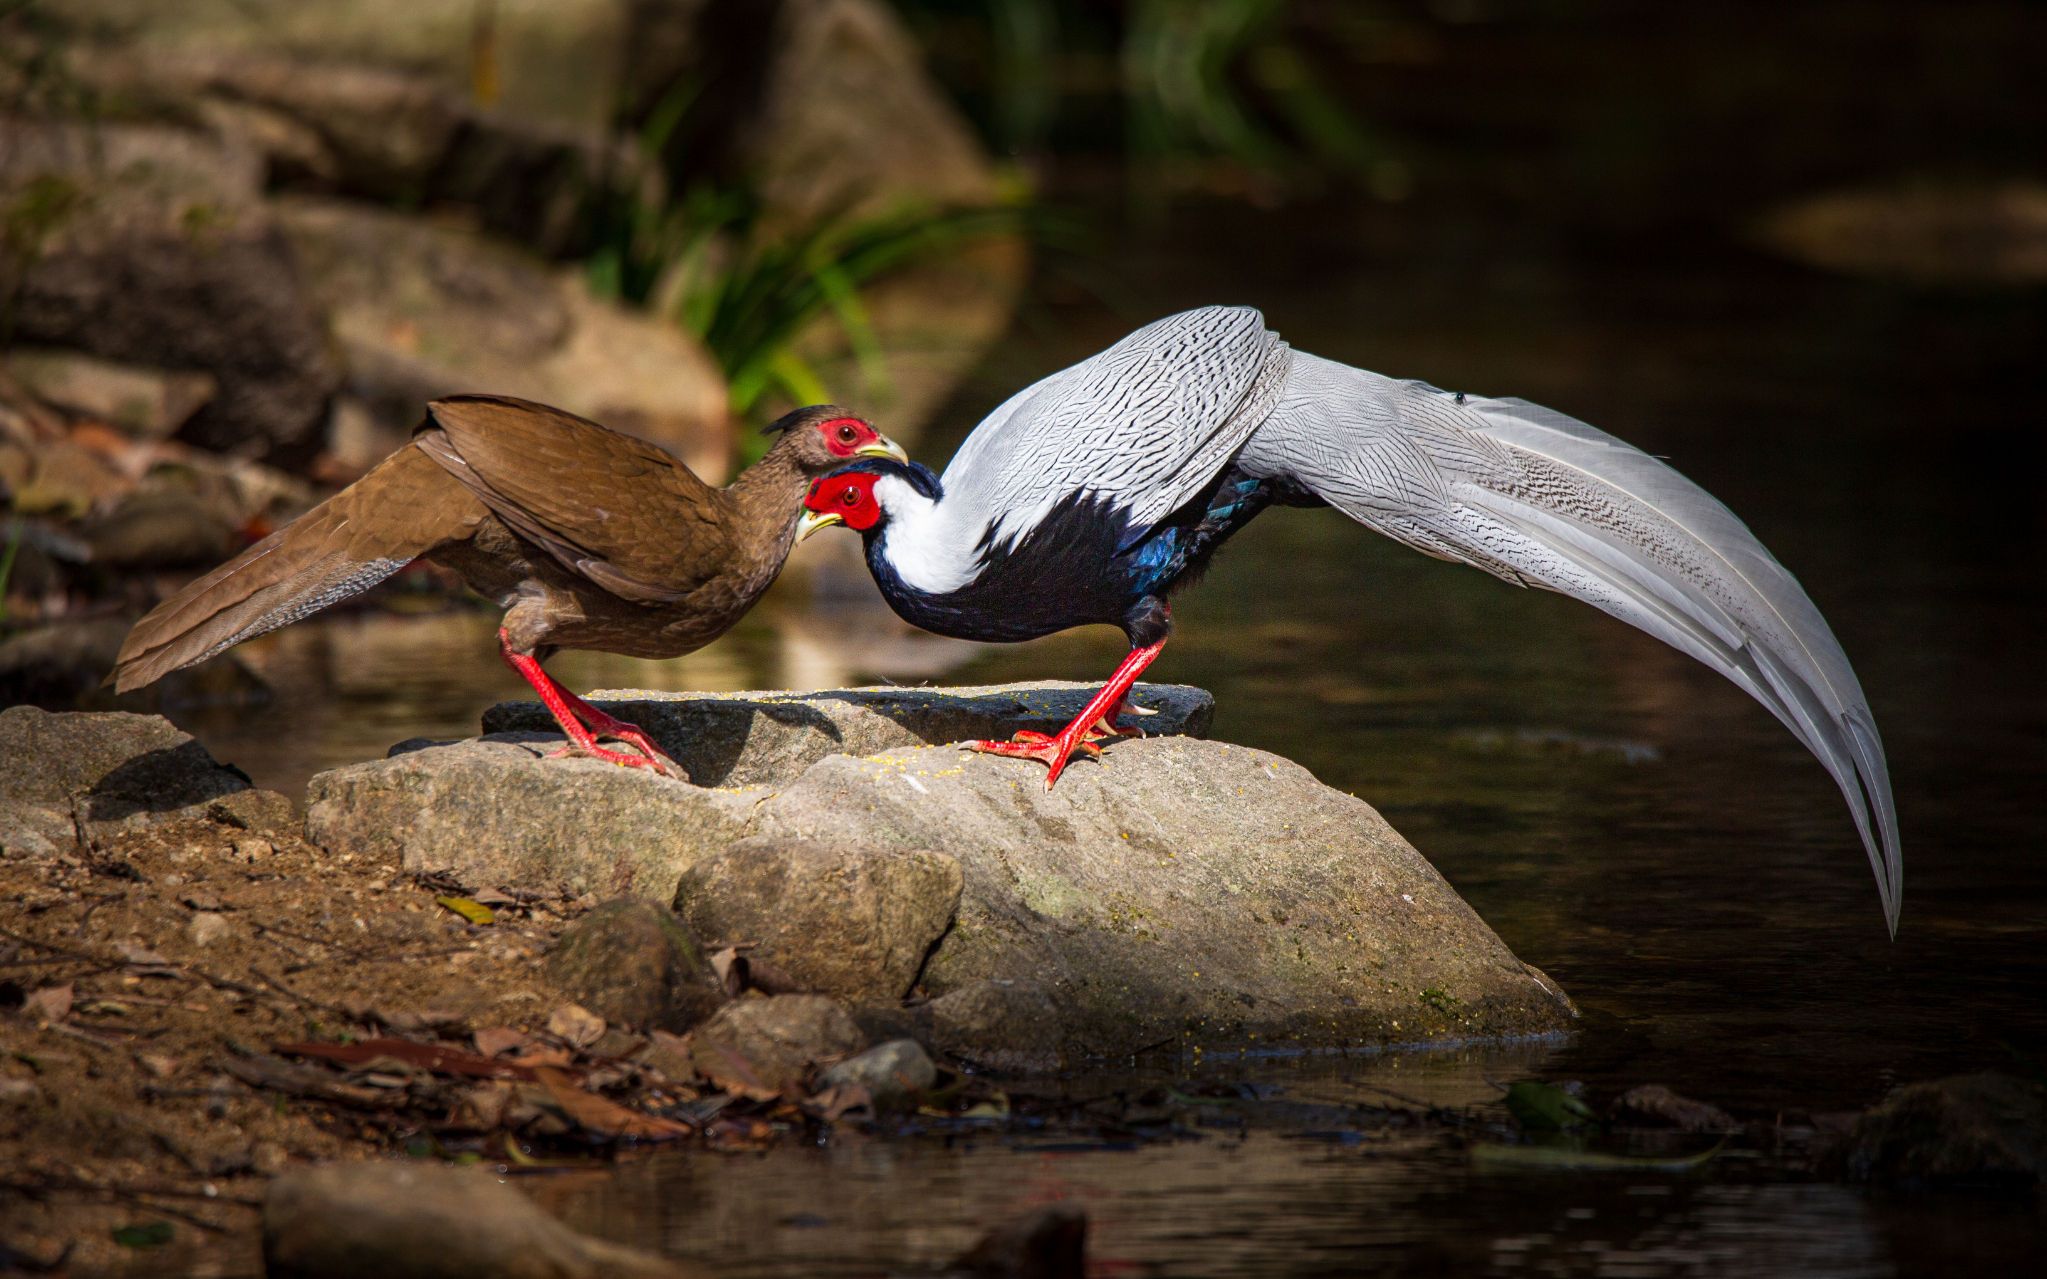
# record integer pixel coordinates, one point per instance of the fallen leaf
(150, 1234)
(468, 908)
(575, 1024)
(1654, 1106)
(493, 1040)
(1546, 1107)
(835, 1101)
(51, 1003)
(160, 1065)
(493, 897)
(1573, 1158)
(740, 1134)
(432, 1057)
(604, 1117)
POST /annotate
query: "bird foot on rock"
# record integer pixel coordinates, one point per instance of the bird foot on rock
(1054, 752)
(654, 762)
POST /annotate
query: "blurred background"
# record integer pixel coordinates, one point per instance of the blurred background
(1799, 248)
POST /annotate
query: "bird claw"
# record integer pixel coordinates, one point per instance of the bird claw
(1054, 752)
(655, 762)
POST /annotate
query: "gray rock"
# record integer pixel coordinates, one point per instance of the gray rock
(1984, 1129)
(126, 233)
(632, 961)
(414, 1220)
(62, 664)
(1181, 892)
(112, 769)
(754, 738)
(496, 812)
(891, 1073)
(835, 918)
(774, 1041)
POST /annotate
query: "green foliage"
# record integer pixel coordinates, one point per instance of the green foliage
(1545, 1107)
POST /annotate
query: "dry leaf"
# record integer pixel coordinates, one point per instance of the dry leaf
(493, 1040)
(160, 1065)
(724, 1066)
(575, 1024)
(441, 1061)
(468, 908)
(51, 1003)
(604, 1117)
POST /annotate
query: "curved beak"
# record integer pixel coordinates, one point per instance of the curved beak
(883, 446)
(812, 521)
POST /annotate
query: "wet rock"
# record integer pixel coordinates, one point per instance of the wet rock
(834, 918)
(108, 768)
(632, 961)
(745, 739)
(414, 1220)
(1986, 1130)
(891, 1073)
(1181, 892)
(496, 811)
(160, 528)
(778, 1039)
(422, 310)
(124, 233)
(1654, 1106)
(1050, 1243)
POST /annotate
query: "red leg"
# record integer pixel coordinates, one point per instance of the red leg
(566, 707)
(1086, 728)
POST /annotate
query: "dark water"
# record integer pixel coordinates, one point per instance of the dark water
(1623, 818)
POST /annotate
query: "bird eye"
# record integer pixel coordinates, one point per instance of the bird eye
(846, 435)
(850, 497)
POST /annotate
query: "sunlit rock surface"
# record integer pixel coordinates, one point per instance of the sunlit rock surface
(1177, 893)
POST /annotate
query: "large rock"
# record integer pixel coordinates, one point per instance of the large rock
(417, 1220)
(497, 812)
(110, 772)
(151, 246)
(831, 917)
(422, 310)
(745, 739)
(1183, 892)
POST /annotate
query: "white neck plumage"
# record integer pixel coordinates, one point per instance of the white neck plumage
(930, 544)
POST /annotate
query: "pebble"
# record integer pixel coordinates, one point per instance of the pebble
(206, 928)
(253, 848)
(19, 1092)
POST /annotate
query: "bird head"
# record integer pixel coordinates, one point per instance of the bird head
(859, 496)
(825, 436)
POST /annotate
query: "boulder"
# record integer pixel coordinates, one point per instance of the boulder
(632, 961)
(771, 1044)
(111, 771)
(757, 738)
(418, 1220)
(1182, 893)
(498, 812)
(151, 246)
(1005, 1025)
(421, 310)
(833, 918)
(1986, 1130)
(61, 665)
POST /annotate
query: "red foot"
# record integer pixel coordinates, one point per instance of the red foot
(1095, 723)
(572, 713)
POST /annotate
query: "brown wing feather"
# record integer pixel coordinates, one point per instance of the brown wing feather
(626, 515)
(403, 509)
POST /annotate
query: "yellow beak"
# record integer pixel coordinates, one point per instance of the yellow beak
(883, 446)
(812, 521)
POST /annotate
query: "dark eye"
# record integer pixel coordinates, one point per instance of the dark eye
(851, 497)
(846, 435)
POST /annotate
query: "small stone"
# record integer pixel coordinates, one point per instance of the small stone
(575, 1024)
(632, 961)
(19, 1092)
(891, 1073)
(1984, 1129)
(206, 928)
(254, 848)
(1654, 1106)
(268, 1158)
(202, 898)
(159, 1065)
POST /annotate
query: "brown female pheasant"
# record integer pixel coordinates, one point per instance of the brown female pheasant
(587, 538)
